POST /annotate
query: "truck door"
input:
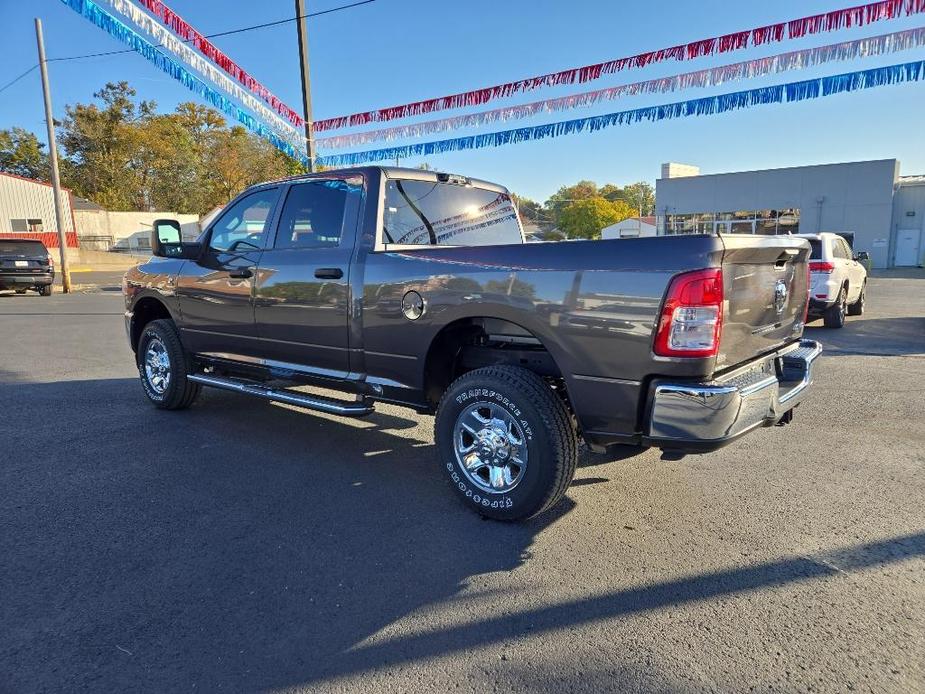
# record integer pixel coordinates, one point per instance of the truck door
(302, 303)
(216, 292)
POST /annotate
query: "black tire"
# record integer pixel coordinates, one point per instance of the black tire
(46, 290)
(20, 291)
(534, 414)
(857, 308)
(176, 392)
(834, 316)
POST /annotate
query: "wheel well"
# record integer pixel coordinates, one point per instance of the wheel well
(471, 343)
(145, 311)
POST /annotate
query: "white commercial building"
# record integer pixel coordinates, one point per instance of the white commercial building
(869, 199)
(27, 210)
(632, 228)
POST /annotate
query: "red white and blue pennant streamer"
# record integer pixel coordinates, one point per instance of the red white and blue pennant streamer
(210, 51)
(161, 36)
(722, 103)
(121, 32)
(826, 22)
(794, 60)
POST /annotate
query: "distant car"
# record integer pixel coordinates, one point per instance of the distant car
(838, 281)
(26, 264)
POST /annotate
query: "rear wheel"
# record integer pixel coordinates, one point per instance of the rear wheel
(834, 316)
(163, 366)
(506, 441)
(857, 308)
(46, 290)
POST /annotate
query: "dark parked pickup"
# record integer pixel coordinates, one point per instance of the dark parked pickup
(417, 288)
(26, 264)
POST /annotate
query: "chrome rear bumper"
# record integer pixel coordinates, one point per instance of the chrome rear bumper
(706, 416)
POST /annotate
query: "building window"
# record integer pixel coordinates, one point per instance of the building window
(26, 226)
(767, 222)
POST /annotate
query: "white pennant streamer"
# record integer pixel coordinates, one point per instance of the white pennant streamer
(165, 38)
(783, 62)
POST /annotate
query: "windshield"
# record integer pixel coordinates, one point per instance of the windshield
(23, 249)
(446, 214)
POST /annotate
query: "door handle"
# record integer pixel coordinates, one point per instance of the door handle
(329, 273)
(241, 273)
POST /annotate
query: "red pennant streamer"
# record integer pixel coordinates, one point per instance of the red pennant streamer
(209, 50)
(829, 21)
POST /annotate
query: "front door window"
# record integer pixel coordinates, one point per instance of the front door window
(243, 226)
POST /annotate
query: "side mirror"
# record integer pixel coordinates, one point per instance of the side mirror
(167, 241)
(861, 256)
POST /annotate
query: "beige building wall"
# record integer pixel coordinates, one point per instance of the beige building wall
(129, 229)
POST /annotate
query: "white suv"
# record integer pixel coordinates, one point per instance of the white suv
(838, 281)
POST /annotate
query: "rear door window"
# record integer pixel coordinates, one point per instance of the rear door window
(315, 213)
(430, 213)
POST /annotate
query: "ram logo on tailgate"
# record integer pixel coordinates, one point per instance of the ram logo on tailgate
(780, 297)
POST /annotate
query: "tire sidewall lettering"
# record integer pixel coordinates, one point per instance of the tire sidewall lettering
(498, 398)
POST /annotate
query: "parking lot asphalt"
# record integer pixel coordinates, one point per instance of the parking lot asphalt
(244, 546)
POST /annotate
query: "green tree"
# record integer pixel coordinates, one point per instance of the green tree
(565, 196)
(641, 197)
(584, 219)
(612, 192)
(22, 154)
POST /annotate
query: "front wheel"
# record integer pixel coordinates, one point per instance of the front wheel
(506, 442)
(163, 366)
(834, 316)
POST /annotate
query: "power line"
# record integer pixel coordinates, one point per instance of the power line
(291, 19)
(227, 33)
(14, 81)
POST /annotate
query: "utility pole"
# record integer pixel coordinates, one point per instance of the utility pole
(53, 159)
(302, 25)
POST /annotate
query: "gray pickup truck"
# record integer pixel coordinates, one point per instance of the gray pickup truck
(416, 288)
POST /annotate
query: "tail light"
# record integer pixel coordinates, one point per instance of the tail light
(821, 267)
(692, 315)
(51, 262)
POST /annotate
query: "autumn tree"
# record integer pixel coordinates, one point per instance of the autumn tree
(124, 155)
(22, 154)
(584, 219)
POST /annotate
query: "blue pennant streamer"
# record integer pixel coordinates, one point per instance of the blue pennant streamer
(721, 103)
(121, 32)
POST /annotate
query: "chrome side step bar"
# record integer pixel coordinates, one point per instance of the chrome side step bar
(360, 408)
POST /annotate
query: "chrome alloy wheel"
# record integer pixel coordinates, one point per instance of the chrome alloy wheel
(157, 366)
(490, 447)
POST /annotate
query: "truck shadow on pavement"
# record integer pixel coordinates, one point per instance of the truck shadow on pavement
(871, 337)
(245, 546)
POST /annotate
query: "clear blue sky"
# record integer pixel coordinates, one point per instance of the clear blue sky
(394, 51)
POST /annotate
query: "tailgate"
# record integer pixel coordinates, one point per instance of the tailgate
(766, 289)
